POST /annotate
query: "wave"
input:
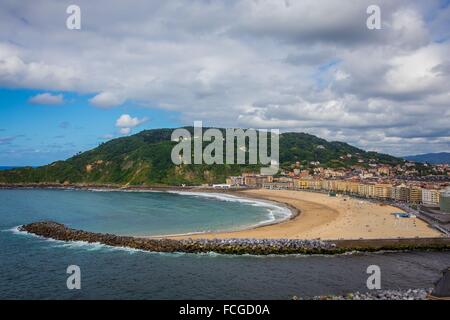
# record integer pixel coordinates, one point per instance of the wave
(17, 231)
(271, 212)
(97, 246)
(275, 211)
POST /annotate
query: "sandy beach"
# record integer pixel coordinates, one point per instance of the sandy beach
(329, 218)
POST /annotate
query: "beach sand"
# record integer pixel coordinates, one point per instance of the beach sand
(325, 217)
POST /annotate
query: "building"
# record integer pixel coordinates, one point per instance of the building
(283, 179)
(366, 190)
(383, 191)
(221, 186)
(235, 181)
(279, 185)
(384, 170)
(400, 193)
(415, 195)
(301, 184)
(257, 180)
(430, 197)
(353, 187)
(444, 200)
(315, 184)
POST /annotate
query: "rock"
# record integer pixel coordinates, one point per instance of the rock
(410, 294)
(57, 231)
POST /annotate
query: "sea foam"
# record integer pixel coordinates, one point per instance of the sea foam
(275, 212)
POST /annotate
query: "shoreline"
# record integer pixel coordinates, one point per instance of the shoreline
(313, 215)
(294, 212)
(326, 218)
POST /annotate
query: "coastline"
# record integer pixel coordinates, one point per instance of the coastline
(313, 215)
(188, 190)
(327, 218)
(294, 213)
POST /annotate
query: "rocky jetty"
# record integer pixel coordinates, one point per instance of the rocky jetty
(57, 231)
(410, 294)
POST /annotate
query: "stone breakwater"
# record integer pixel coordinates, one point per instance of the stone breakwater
(57, 231)
(410, 294)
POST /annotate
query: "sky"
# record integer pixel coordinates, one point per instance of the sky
(306, 65)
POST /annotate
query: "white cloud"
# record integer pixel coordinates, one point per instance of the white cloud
(15, 71)
(125, 131)
(297, 65)
(126, 120)
(47, 99)
(106, 100)
(125, 123)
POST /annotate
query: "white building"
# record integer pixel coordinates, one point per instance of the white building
(430, 197)
(221, 186)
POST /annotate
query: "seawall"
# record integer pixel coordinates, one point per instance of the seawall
(57, 231)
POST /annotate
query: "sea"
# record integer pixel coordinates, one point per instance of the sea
(7, 167)
(32, 267)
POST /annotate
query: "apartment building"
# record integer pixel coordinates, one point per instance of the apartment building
(383, 191)
(415, 195)
(235, 181)
(257, 180)
(444, 200)
(400, 193)
(301, 184)
(278, 185)
(366, 190)
(430, 197)
(404, 193)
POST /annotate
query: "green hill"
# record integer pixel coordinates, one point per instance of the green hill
(145, 159)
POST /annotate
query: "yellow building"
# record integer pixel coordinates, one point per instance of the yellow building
(332, 185)
(366, 190)
(415, 195)
(383, 191)
(353, 187)
(341, 185)
(301, 183)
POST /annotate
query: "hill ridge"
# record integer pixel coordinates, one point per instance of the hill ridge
(144, 158)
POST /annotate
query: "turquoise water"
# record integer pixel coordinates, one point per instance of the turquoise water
(35, 268)
(136, 213)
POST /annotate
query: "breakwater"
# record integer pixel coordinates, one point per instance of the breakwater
(409, 294)
(57, 231)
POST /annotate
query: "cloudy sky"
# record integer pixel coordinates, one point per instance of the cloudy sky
(296, 65)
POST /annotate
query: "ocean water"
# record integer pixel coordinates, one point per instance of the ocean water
(35, 268)
(136, 213)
